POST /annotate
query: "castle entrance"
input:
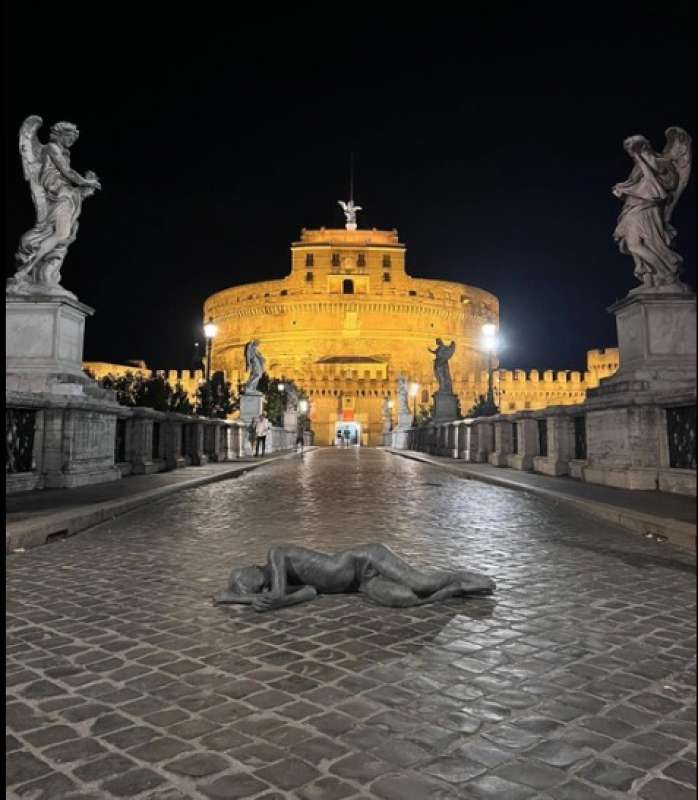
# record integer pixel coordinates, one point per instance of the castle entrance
(347, 434)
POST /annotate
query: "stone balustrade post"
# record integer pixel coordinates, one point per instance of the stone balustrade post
(173, 453)
(527, 444)
(146, 441)
(560, 428)
(503, 442)
(196, 443)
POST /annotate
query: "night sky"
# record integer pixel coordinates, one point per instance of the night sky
(490, 138)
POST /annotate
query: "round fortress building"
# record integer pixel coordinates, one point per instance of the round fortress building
(346, 322)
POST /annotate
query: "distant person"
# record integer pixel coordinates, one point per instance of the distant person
(262, 427)
(300, 436)
(340, 439)
(347, 437)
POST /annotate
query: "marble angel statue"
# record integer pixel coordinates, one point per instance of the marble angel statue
(57, 191)
(650, 194)
(254, 362)
(402, 395)
(350, 210)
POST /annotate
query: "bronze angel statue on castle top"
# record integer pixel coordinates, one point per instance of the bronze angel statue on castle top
(57, 192)
(651, 192)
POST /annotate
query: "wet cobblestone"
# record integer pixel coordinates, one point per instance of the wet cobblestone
(576, 680)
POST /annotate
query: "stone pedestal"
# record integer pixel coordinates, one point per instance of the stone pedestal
(251, 405)
(445, 407)
(44, 344)
(291, 420)
(626, 416)
(527, 445)
(404, 420)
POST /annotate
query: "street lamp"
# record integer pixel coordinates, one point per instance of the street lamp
(489, 344)
(303, 406)
(390, 410)
(281, 386)
(210, 330)
(414, 388)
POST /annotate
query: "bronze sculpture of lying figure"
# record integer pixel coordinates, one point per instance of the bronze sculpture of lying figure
(295, 575)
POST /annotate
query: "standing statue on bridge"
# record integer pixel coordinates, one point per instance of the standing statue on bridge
(442, 354)
(402, 396)
(254, 362)
(294, 575)
(650, 195)
(57, 191)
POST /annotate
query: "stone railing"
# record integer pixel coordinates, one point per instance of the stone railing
(553, 441)
(68, 442)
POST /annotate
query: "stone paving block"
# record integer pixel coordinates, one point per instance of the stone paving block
(22, 767)
(54, 786)
(360, 767)
(410, 787)
(74, 750)
(102, 768)
(233, 787)
(133, 782)
(659, 789)
(198, 765)
(490, 787)
(609, 775)
(288, 774)
(681, 771)
(160, 749)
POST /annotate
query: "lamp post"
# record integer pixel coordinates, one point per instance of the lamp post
(414, 389)
(489, 344)
(210, 331)
(390, 408)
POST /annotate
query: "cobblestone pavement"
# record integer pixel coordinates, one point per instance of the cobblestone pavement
(576, 681)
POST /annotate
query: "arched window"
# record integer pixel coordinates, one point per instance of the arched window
(347, 286)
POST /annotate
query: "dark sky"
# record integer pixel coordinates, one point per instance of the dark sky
(489, 137)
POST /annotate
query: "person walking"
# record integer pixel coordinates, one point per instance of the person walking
(300, 436)
(261, 429)
(252, 433)
(347, 437)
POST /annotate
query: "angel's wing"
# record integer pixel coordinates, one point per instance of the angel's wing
(32, 151)
(678, 149)
(342, 204)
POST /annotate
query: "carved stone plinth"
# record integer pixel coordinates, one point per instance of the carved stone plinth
(251, 405)
(626, 416)
(445, 407)
(404, 421)
(44, 344)
(290, 420)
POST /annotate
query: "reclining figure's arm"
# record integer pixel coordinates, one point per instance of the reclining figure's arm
(279, 597)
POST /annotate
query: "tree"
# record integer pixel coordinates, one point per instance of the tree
(483, 408)
(214, 398)
(147, 392)
(275, 399)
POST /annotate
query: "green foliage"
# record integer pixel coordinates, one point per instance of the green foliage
(215, 399)
(423, 415)
(275, 399)
(483, 408)
(147, 392)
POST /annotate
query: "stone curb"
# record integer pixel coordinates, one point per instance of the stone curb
(27, 534)
(681, 534)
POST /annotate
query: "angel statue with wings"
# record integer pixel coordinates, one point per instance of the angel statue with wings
(350, 210)
(254, 362)
(57, 192)
(650, 195)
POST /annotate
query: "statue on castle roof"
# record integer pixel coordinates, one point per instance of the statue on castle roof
(254, 362)
(442, 354)
(57, 192)
(350, 210)
(650, 195)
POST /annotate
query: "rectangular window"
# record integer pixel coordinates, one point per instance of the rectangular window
(335, 259)
(309, 260)
(681, 433)
(542, 437)
(386, 277)
(156, 441)
(580, 437)
(361, 260)
(386, 262)
(309, 277)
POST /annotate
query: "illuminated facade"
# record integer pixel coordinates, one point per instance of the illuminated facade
(346, 322)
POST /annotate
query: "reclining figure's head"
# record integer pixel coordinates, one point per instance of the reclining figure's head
(476, 583)
(247, 580)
